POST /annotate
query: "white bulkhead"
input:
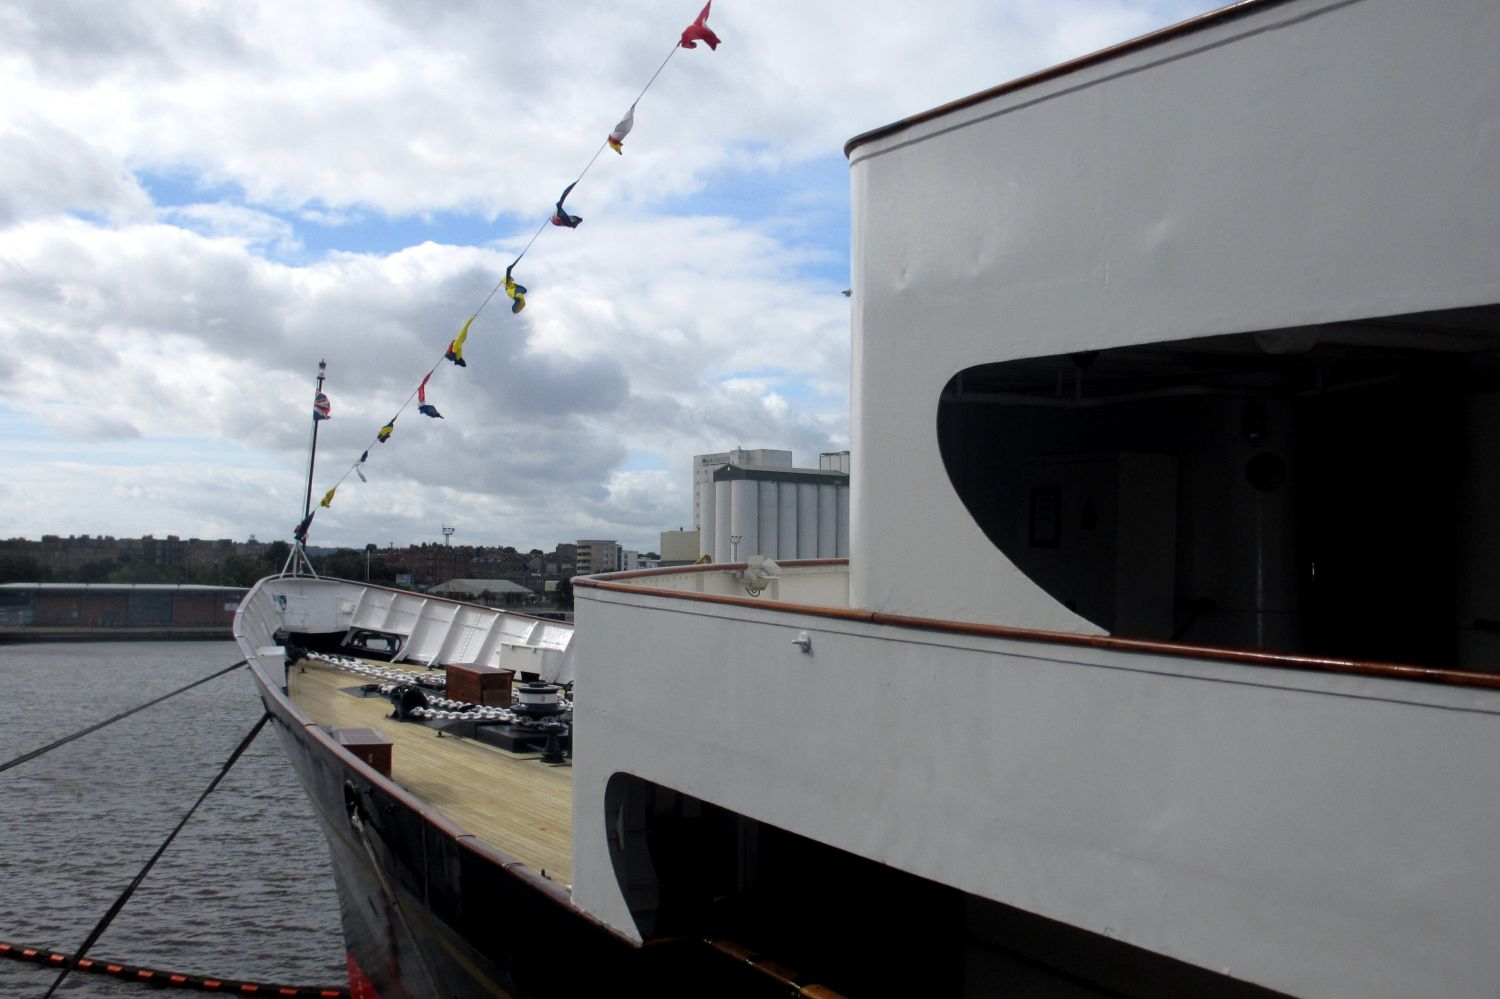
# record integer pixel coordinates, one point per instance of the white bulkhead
(1304, 163)
(1318, 832)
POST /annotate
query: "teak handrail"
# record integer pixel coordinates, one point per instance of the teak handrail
(1252, 657)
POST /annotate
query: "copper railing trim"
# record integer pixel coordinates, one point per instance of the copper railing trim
(1171, 31)
(682, 570)
(1249, 657)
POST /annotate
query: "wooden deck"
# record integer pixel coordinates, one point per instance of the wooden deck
(512, 802)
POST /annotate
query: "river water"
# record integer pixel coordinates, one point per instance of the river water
(245, 891)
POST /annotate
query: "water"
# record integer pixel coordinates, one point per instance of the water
(245, 891)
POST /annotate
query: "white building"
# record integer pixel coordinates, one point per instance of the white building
(704, 466)
(679, 547)
(834, 461)
(782, 513)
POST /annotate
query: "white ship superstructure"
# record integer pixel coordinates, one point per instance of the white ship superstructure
(1166, 657)
(1176, 374)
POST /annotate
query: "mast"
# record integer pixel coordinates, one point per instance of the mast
(298, 556)
(312, 449)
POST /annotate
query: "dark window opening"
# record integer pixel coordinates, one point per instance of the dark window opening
(690, 869)
(1325, 490)
(379, 645)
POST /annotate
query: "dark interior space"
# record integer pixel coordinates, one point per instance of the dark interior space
(1323, 490)
(861, 928)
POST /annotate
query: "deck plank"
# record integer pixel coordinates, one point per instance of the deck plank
(515, 803)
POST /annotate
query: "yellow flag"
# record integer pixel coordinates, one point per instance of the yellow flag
(456, 348)
(515, 292)
(328, 496)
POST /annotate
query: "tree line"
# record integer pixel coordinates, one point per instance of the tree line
(231, 570)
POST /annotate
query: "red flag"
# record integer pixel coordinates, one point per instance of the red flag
(422, 389)
(699, 31)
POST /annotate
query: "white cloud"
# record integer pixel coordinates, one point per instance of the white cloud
(45, 170)
(409, 109)
(164, 353)
(248, 226)
(534, 427)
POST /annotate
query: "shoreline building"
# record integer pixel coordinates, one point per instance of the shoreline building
(87, 612)
(704, 466)
(596, 555)
(780, 512)
(679, 547)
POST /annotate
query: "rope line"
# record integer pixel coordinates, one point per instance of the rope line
(675, 46)
(501, 283)
(158, 978)
(589, 166)
(135, 883)
(110, 721)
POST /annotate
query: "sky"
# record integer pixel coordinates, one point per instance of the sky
(199, 201)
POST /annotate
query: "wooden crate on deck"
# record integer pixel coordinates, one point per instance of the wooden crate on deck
(367, 744)
(479, 684)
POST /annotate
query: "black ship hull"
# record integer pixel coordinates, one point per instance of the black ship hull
(429, 912)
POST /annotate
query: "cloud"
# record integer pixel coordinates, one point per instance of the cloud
(624, 345)
(45, 170)
(162, 355)
(254, 228)
(468, 107)
(73, 43)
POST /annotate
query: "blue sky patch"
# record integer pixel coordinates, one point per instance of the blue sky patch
(642, 461)
(805, 204)
(321, 230)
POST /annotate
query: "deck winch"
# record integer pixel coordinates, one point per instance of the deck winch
(539, 701)
(406, 698)
(540, 707)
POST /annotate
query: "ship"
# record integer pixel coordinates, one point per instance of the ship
(1165, 660)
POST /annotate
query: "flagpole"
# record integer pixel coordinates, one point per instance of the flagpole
(312, 450)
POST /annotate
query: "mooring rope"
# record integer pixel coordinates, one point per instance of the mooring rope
(170, 979)
(135, 883)
(110, 721)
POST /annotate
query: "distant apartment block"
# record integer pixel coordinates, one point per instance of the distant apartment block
(58, 555)
(597, 556)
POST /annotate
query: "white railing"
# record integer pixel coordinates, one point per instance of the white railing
(820, 583)
(432, 630)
